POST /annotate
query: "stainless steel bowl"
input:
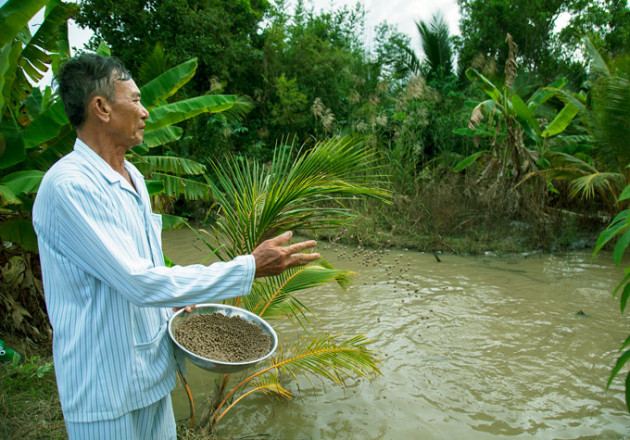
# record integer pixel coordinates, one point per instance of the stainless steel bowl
(210, 364)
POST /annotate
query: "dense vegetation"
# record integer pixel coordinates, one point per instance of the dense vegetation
(512, 135)
(312, 75)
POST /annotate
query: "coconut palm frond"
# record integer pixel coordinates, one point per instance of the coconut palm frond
(36, 54)
(324, 358)
(306, 191)
(329, 358)
(327, 272)
(436, 44)
(242, 105)
(599, 61)
(269, 301)
(156, 64)
(238, 189)
(611, 106)
(410, 61)
(601, 183)
(273, 297)
(268, 384)
(568, 162)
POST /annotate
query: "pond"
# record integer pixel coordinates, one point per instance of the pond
(472, 347)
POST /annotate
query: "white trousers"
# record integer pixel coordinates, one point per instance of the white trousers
(154, 422)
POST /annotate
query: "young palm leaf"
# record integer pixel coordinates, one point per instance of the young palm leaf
(323, 358)
(274, 297)
(306, 191)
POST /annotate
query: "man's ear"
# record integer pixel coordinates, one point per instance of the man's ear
(100, 108)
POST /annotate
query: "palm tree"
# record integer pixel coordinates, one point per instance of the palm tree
(304, 190)
(437, 48)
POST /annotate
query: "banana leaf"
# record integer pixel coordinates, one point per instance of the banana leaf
(45, 39)
(543, 94)
(491, 90)
(173, 164)
(172, 222)
(14, 15)
(8, 197)
(190, 189)
(49, 125)
(154, 187)
(179, 111)
(167, 84)
(26, 181)
(162, 136)
(466, 162)
(20, 232)
(526, 118)
(561, 121)
(14, 151)
(8, 67)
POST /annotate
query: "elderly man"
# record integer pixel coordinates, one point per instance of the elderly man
(108, 292)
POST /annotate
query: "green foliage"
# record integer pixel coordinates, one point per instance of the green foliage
(619, 229)
(306, 191)
(218, 33)
(437, 47)
(607, 22)
(23, 375)
(28, 119)
(30, 404)
(506, 116)
(484, 24)
(595, 161)
(35, 133)
(320, 357)
(298, 190)
(291, 108)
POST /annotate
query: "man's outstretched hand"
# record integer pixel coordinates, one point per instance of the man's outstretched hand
(273, 258)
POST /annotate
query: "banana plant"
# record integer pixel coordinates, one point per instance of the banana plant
(594, 162)
(26, 113)
(299, 190)
(35, 133)
(505, 118)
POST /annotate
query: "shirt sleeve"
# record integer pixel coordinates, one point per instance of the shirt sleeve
(91, 236)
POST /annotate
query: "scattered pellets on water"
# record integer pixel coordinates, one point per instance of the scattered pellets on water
(222, 338)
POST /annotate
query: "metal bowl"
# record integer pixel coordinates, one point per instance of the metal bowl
(210, 364)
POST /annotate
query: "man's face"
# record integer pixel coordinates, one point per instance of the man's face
(128, 115)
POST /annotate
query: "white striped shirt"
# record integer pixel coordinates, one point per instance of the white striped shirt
(108, 293)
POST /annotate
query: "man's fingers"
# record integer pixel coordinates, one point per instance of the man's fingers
(281, 239)
(302, 259)
(299, 247)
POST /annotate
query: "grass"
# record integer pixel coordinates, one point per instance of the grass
(29, 403)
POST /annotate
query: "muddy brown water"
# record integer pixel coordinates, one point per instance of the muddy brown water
(482, 347)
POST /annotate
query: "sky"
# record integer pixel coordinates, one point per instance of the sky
(402, 13)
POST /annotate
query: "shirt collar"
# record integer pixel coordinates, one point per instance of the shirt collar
(99, 164)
